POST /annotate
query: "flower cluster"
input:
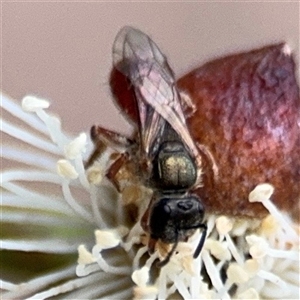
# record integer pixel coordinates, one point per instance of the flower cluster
(54, 207)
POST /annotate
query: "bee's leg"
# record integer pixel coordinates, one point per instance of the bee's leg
(151, 245)
(188, 106)
(198, 182)
(144, 220)
(145, 217)
(114, 169)
(212, 161)
(99, 148)
(109, 137)
(104, 138)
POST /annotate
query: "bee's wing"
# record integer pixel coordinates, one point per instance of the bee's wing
(139, 59)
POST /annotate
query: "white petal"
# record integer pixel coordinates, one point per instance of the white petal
(107, 239)
(84, 256)
(261, 192)
(224, 225)
(32, 103)
(249, 294)
(47, 245)
(15, 109)
(259, 247)
(29, 138)
(236, 274)
(66, 170)
(141, 277)
(76, 147)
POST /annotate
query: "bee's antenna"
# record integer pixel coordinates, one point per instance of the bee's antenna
(167, 259)
(201, 242)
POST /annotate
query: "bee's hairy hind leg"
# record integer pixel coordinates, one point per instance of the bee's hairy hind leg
(211, 158)
(110, 138)
(104, 138)
(114, 169)
(188, 106)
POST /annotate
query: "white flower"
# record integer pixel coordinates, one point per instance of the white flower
(49, 209)
(66, 231)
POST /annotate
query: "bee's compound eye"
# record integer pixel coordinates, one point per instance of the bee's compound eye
(161, 211)
(200, 207)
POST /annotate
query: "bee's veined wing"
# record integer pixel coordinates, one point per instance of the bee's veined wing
(132, 46)
(139, 59)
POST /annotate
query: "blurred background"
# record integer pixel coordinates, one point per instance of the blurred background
(61, 51)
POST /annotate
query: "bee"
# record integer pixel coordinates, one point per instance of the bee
(203, 143)
(168, 158)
